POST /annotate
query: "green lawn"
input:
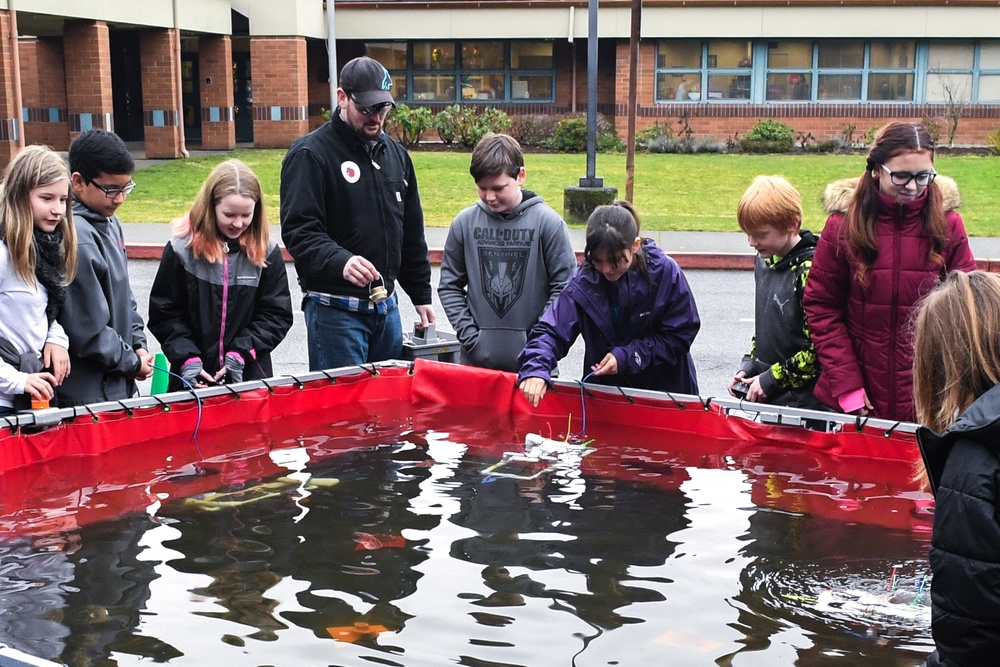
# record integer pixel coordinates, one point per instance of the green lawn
(672, 192)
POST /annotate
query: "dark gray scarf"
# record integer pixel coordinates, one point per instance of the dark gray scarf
(49, 269)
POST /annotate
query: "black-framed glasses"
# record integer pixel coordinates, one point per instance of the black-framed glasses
(373, 109)
(111, 193)
(902, 178)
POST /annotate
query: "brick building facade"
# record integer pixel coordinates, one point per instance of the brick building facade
(214, 73)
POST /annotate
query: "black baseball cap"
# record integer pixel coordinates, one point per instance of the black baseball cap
(367, 82)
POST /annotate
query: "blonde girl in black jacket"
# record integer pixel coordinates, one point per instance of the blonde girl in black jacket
(220, 301)
(956, 374)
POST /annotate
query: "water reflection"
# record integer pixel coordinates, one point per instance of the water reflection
(377, 536)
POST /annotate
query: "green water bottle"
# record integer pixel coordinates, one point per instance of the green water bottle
(160, 377)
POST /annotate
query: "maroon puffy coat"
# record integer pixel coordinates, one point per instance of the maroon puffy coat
(863, 334)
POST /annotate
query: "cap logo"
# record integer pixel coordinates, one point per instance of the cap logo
(386, 79)
(350, 171)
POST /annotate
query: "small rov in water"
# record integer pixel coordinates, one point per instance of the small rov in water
(541, 455)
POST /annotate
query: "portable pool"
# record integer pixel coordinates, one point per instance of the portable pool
(423, 514)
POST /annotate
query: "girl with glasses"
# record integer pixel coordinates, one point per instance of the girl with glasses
(891, 236)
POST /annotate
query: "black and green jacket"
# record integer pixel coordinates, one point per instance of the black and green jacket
(782, 352)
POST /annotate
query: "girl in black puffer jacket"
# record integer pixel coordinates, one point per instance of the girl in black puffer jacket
(956, 374)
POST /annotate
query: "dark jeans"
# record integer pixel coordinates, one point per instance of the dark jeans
(340, 338)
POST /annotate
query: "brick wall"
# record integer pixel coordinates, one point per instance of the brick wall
(215, 62)
(280, 90)
(88, 76)
(160, 116)
(43, 92)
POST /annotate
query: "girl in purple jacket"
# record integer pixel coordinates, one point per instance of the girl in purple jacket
(633, 307)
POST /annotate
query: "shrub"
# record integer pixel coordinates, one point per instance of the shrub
(571, 136)
(993, 139)
(933, 127)
(408, 124)
(533, 129)
(475, 127)
(448, 122)
(768, 136)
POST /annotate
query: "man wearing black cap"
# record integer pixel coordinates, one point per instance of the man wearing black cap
(351, 219)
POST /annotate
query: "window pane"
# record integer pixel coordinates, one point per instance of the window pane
(482, 55)
(839, 87)
(989, 56)
(729, 55)
(531, 87)
(677, 87)
(842, 54)
(433, 87)
(728, 87)
(784, 86)
(392, 55)
(789, 54)
(399, 86)
(989, 88)
(895, 55)
(942, 87)
(895, 87)
(531, 55)
(678, 53)
(482, 87)
(950, 55)
(433, 55)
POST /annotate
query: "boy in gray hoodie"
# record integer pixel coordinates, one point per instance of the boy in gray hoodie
(506, 258)
(107, 345)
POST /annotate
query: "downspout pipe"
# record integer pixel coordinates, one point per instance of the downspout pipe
(16, 57)
(180, 82)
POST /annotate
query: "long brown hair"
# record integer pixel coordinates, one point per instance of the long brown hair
(956, 355)
(228, 178)
(862, 215)
(34, 167)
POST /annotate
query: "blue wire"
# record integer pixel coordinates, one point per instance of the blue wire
(583, 405)
(190, 387)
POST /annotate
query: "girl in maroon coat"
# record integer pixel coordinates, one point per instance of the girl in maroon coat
(891, 235)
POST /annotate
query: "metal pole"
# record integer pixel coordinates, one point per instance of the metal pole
(591, 181)
(16, 77)
(633, 76)
(331, 52)
(179, 99)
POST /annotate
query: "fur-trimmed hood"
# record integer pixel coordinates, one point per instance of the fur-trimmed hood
(838, 194)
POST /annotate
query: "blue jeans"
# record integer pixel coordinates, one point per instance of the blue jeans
(340, 337)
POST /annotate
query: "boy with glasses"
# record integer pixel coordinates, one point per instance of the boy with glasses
(107, 345)
(351, 219)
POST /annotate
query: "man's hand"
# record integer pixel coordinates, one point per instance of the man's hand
(426, 313)
(533, 390)
(56, 357)
(359, 271)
